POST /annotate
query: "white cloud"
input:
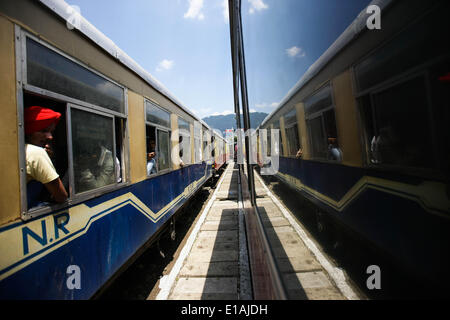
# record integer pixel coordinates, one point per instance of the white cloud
(194, 11)
(165, 65)
(265, 105)
(226, 16)
(223, 113)
(257, 5)
(252, 110)
(295, 52)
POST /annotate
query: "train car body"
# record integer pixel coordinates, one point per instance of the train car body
(368, 87)
(104, 96)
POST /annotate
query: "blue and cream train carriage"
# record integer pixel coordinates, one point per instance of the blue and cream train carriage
(364, 135)
(106, 99)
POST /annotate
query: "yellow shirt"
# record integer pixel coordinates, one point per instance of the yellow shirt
(39, 165)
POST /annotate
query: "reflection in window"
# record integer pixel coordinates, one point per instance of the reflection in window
(276, 125)
(393, 138)
(321, 124)
(157, 115)
(163, 150)
(291, 128)
(197, 142)
(185, 141)
(152, 166)
(93, 150)
(49, 70)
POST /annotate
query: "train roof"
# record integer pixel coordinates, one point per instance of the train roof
(63, 9)
(352, 31)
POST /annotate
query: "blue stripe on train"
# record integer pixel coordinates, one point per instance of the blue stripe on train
(108, 244)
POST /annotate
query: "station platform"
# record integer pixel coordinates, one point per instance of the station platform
(213, 265)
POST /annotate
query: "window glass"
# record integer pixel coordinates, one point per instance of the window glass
(49, 70)
(402, 53)
(183, 126)
(290, 118)
(163, 155)
(197, 142)
(292, 140)
(93, 141)
(276, 125)
(316, 133)
(152, 165)
(157, 115)
(185, 140)
(398, 139)
(321, 123)
(319, 101)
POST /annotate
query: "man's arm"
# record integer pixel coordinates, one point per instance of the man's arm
(57, 190)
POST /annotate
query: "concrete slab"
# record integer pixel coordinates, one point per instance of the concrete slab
(203, 296)
(220, 225)
(310, 285)
(210, 285)
(213, 269)
(274, 221)
(211, 243)
(197, 256)
(226, 235)
(298, 264)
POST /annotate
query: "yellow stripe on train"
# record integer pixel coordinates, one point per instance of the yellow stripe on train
(430, 195)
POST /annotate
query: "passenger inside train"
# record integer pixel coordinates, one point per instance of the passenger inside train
(95, 166)
(151, 160)
(40, 124)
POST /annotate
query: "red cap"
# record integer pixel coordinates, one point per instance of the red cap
(445, 78)
(38, 118)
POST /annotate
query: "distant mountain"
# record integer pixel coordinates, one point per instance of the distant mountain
(229, 121)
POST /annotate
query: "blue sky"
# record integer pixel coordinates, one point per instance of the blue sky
(185, 44)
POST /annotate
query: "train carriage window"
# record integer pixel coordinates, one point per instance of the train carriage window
(52, 71)
(163, 150)
(321, 124)
(205, 149)
(291, 128)
(158, 138)
(87, 148)
(394, 139)
(404, 122)
(276, 126)
(197, 142)
(185, 140)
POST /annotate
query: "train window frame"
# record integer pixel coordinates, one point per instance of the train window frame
(413, 71)
(198, 132)
(399, 79)
(24, 87)
(288, 126)
(29, 87)
(158, 127)
(320, 113)
(277, 126)
(185, 134)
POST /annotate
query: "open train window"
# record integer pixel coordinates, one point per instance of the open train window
(291, 129)
(185, 140)
(197, 142)
(276, 126)
(206, 148)
(403, 100)
(86, 147)
(321, 123)
(158, 138)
